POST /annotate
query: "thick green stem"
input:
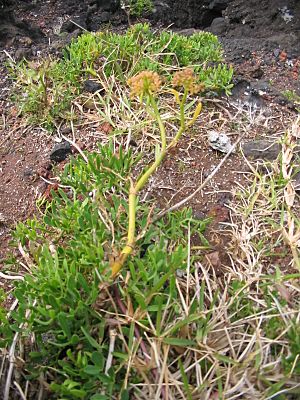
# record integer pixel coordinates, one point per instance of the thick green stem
(143, 179)
(182, 120)
(131, 223)
(146, 175)
(131, 220)
(135, 189)
(127, 250)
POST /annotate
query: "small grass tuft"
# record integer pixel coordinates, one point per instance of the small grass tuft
(137, 8)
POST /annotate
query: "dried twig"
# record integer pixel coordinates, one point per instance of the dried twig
(21, 393)
(112, 337)
(79, 26)
(12, 277)
(76, 147)
(11, 357)
(25, 255)
(138, 336)
(9, 56)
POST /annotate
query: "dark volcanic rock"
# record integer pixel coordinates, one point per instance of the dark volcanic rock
(105, 16)
(218, 5)
(73, 23)
(261, 149)
(109, 5)
(23, 52)
(218, 26)
(60, 152)
(92, 86)
(263, 25)
(197, 14)
(11, 27)
(95, 21)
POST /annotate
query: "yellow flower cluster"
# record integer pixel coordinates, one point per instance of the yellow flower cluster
(146, 82)
(187, 79)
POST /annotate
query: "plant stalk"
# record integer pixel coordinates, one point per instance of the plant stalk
(118, 263)
(182, 120)
(135, 189)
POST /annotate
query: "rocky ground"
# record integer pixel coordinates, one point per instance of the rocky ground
(261, 39)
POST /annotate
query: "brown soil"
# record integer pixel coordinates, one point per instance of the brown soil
(23, 155)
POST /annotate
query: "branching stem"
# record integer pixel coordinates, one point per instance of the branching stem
(182, 120)
(118, 263)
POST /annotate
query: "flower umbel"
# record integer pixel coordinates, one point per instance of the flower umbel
(187, 79)
(144, 83)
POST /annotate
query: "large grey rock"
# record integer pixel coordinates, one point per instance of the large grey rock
(261, 149)
(218, 26)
